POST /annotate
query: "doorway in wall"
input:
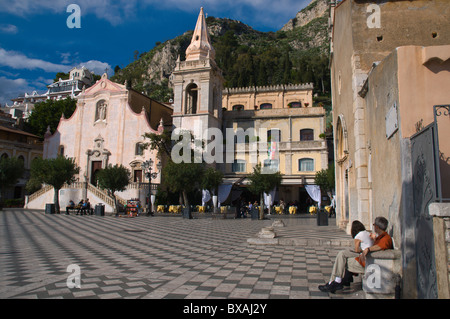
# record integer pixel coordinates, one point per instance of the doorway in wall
(96, 166)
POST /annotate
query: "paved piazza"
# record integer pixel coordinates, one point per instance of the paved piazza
(163, 257)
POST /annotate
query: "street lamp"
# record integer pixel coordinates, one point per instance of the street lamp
(147, 166)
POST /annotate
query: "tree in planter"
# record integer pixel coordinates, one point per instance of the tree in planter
(115, 179)
(326, 179)
(55, 172)
(262, 182)
(183, 178)
(11, 169)
(211, 180)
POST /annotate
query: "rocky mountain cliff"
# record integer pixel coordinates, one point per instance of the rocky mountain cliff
(298, 53)
(315, 9)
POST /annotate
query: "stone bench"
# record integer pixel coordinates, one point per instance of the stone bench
(382, 275)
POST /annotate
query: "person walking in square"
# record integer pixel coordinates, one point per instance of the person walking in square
(348, 262)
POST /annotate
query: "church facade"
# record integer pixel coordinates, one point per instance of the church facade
(107, 127)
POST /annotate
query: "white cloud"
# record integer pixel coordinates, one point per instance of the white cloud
(8, 28)
(17, 60)
(269, 12)
(113, 11)
(97, 67)
(12, 88)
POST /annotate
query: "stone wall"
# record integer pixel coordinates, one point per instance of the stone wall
(441, 228)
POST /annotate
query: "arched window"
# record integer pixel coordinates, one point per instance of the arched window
(139, 150)
(307, 135)
(238, 166)
(61, 150)
(191, 99)
(238, 107)
(295, 105)
(265, 106)
(306, 165)
(4, 155)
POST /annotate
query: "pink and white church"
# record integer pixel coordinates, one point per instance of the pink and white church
(107, 127)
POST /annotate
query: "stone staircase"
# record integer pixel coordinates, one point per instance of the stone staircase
(100, 193)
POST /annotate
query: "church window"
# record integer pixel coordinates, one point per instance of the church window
(139, 149)
(191, 99)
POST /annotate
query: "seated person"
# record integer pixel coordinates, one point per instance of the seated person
(347, 262)
(85, 209)
(70, 206)
(80, 206)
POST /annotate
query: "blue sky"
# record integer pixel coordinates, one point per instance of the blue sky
(36, 43)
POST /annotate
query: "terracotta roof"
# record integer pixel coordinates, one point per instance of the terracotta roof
(13, 130)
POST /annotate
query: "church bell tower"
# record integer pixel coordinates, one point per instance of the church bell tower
(198, 84)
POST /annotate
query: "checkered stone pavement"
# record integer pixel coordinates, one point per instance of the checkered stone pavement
(161, 257)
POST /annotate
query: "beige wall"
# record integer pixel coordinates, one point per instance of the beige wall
(356, 47)
(279, 96)
(288, 120)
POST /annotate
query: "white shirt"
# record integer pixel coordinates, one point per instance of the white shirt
(364, 237)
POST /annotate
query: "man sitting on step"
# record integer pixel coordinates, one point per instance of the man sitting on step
(346, 264)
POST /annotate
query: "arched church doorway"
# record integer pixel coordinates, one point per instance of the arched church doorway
(96, 167)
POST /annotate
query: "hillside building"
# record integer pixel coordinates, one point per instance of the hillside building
(79, 78)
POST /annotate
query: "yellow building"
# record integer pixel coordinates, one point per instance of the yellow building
(285, 111)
